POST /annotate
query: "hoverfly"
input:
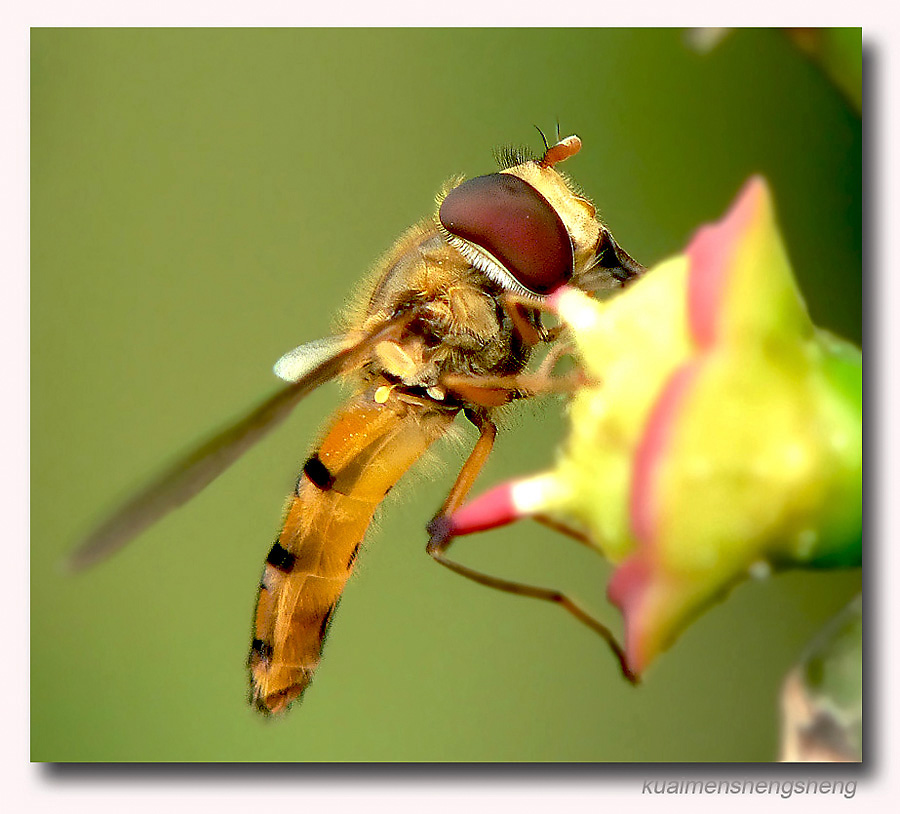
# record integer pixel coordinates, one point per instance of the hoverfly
(446, 327)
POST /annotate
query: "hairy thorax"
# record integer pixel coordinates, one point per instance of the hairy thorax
(460, 326)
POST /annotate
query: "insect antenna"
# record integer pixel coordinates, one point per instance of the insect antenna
(544, 138)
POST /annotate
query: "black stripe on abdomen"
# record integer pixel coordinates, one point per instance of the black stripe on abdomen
(280, 558)
(326, 622)
(318, 474)
(353, 555)
(261, 649)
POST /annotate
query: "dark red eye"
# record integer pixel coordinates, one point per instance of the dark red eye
(511, 220)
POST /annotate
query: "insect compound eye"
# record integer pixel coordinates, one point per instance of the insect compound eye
(516, 226)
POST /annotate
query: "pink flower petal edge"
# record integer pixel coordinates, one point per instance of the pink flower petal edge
(629, 586)
(711, 256)
(650, 450)
(490, 510)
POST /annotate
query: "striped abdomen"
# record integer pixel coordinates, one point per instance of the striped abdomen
(367, 448)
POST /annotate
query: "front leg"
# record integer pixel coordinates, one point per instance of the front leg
(441, 530)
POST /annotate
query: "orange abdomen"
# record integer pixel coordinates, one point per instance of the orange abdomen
(367, 448)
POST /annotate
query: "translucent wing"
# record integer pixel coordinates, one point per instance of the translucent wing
(191, 473)
(297, 363)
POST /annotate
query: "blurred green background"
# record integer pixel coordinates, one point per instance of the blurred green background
(204, 200)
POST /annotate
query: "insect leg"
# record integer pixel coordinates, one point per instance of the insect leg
(473, 465)
(442, 536)
(530, 332)
(556, 352)
(437, 546)
(494, 391)
(562, 528)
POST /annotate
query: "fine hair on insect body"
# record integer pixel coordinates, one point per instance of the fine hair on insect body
(446, 326)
